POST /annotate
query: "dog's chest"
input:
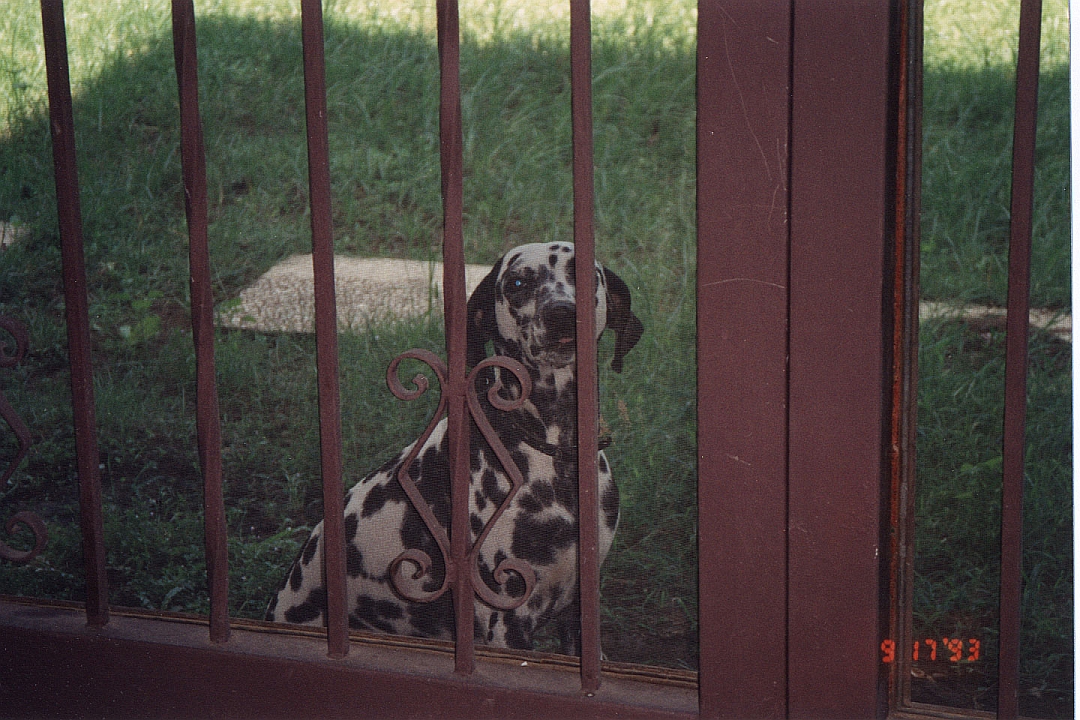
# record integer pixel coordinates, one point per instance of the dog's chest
(534, 525)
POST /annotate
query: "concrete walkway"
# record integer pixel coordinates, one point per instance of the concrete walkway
(369, 290)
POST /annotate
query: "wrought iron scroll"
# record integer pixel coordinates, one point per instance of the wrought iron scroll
(22, 435)
(421, 559)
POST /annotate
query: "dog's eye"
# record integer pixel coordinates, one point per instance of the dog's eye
(518, 284)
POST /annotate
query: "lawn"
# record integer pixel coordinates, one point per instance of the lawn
(970, 58)
(382, 80)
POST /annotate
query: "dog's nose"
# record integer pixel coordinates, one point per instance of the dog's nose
(560, 320)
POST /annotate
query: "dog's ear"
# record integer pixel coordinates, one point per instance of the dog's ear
(482, 326)
(627, 327)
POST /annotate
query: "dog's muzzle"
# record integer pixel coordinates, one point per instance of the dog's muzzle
(560, 330)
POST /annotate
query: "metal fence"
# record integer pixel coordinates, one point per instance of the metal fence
(805, 294)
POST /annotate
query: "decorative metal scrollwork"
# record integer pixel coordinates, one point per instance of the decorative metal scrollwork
(22, 435)
(420, 559)
(36, 526)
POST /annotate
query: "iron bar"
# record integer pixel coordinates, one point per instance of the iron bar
(1016, 356)
(322, 245)
(587, 388)
(207, 413)
(451, 162)
(837, 387)
(76, 308)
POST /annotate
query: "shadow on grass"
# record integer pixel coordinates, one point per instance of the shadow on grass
(384, 148)
(385, 172)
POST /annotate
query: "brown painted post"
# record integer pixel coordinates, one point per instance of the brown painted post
(208, 419)
(841, 211)
(76, 309)
(743, 68)
(322, 245)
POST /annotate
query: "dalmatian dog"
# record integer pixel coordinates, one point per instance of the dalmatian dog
(525, 308)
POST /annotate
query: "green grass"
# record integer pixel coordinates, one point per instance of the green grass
(968, 107)
(968, 104)
(382, 80)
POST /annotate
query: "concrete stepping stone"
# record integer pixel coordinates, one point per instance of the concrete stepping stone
(369, 291)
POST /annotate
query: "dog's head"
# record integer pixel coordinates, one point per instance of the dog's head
(526, 306)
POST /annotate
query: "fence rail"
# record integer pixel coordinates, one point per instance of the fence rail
(769, 544)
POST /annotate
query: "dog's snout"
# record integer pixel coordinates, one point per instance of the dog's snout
(560, 320)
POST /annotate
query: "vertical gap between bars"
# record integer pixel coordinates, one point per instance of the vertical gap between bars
(77, 310)
(587, 390)
(322, 245)
(451, 162)
(1016, 356)
(207, 421)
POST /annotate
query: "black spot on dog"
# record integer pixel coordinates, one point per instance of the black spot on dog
(521, 460)
(530, 504)
(537, 540)
(387, 468)
(309, 549)
(489, 483)
(269, 617)
(375, 614)
(476, 523)
(515, 585)
(352, 523)
(354, 561)
(518, 631)
(601, 464)
(609, 502)
(296, 577)
(480, 500)
(308, 610)
(434, 618)
(539, 497)
(536, 602)
(379, 495)
(435, 480)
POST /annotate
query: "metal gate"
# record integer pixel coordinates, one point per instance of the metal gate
(807, 200)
